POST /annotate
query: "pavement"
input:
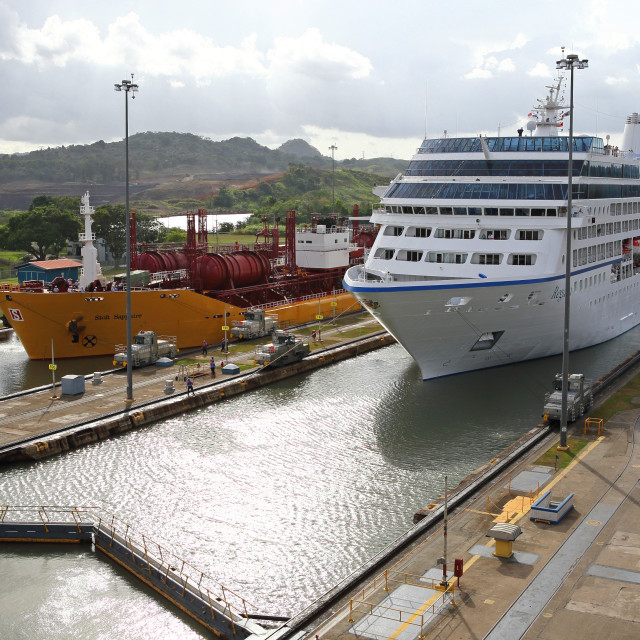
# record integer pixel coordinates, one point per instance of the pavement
(32, 414)
(578, 579)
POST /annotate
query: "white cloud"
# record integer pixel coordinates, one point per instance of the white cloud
(611, 80)
(310, 55)
(540, 70)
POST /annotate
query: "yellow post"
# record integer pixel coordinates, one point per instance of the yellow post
(504, 549)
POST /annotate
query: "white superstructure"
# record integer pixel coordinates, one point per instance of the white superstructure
(468, 269)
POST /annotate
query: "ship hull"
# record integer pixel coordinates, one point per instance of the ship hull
(453, 328)
(88, 325)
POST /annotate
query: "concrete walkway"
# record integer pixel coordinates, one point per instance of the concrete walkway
(579, 579)
(32, 414)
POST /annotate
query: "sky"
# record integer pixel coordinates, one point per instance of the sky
(368, 77)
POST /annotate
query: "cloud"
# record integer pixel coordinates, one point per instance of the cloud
(310, 55)
(486, 62)
(540, 70)
(611, 80)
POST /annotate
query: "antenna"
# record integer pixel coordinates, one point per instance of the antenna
(426, 100)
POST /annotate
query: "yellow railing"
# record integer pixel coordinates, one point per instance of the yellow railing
(155, 554)
(362, 605)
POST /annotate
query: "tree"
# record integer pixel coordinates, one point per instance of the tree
(109, 224)
(224, 198)
(225, 227)
(41, 230)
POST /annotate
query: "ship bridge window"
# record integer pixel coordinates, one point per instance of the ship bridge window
(393, 231)
(487, 341)
(486, 258)
(460, 211)
(384, 254)
(529, 234)
(418, 232)
(431, 211)
(522, 212)
(506, 211)
(409, 256)
(522, 259)
(446, 211)
(491, 211)
(448, 257)
(407, 210)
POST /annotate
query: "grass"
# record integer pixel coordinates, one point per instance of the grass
(622, 400)
(548, 459)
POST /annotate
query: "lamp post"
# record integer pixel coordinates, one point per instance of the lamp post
(571, 62)
(127, 86)
(333, 148)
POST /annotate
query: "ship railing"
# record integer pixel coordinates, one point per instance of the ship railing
(373, 275)
(311, 296)
(164, 276)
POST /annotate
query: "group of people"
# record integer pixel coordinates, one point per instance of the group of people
(212, 367)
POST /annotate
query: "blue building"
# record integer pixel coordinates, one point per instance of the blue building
(47, 270)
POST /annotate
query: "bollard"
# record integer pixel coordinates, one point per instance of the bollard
(168, 387)
(96, 378)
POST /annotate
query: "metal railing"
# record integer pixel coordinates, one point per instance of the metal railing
(155, 555)
(418, 617)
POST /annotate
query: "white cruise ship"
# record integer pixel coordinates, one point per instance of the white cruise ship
(468, 268)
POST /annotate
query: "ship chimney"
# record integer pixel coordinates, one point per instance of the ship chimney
(631, 135)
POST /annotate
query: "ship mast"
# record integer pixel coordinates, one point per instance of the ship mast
(91, 269)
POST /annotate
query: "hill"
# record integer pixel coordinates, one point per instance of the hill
(162, 165)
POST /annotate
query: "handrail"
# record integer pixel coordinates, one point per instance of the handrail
(154, 553)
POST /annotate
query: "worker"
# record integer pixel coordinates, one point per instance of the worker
(190, 386)
(212, 365)
(204, 347)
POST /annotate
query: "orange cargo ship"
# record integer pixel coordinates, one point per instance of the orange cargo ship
(199, 299)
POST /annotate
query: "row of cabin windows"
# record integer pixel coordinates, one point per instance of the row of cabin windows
(478, 211)
(452, 257)
(606, 229)
(463, 234)
(587, 255)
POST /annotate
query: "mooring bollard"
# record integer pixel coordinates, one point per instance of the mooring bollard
(168, 387)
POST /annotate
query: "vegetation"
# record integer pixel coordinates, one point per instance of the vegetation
(44, 228)
(561, 459)
(623, 400)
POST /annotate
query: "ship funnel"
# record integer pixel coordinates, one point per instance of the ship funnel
(631, 135)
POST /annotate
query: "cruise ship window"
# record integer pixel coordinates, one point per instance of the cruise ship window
(537, 212)
(418, 232)
(384, 254)
(446, 211)
(431, 211)
(409, 256)
(552, 212)
(486, 258)
(506, 211)
(460, 211)
(491, 211)
(391, 230)
(523, 259)
(529, 234)
(522, 212)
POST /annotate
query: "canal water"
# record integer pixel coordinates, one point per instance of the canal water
(277, 494)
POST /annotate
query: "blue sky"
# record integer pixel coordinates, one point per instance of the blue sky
(369, 77)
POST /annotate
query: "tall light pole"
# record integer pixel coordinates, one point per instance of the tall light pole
(571, 62)
(333, 148)
(127, 86)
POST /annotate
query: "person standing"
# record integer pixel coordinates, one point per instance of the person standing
(212, 365)
(190, 387)
(204, 347)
